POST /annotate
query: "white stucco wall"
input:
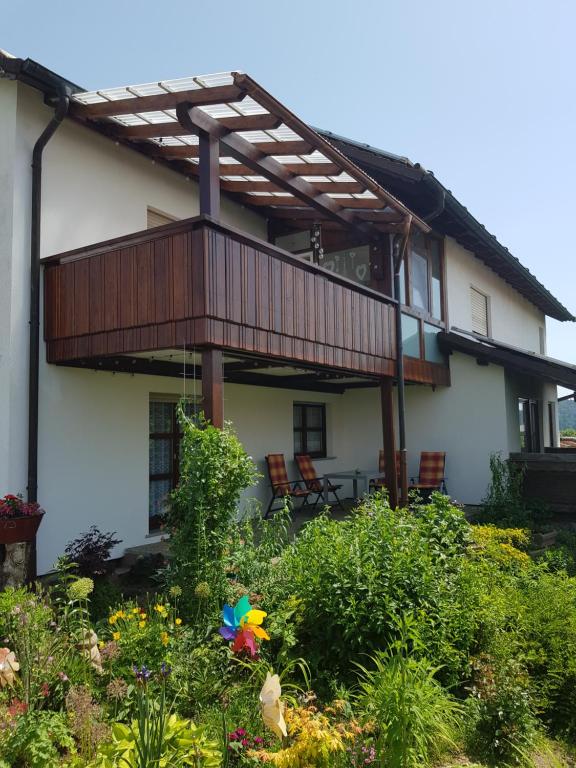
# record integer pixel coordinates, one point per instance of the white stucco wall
(467, 420)
(94, 446)
(513, 319)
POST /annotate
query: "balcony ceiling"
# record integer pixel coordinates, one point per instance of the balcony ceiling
(269, 160)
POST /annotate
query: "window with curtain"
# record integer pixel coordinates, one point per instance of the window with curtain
(310, 429)
(164, 454)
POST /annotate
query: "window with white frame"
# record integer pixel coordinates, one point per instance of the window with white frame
(479, 306)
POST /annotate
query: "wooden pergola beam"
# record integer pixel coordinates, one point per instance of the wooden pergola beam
(268, 147)
(262, 164)
(205, 96)
(345, 203)
(173, 128)
(238, 169)
(267, 186)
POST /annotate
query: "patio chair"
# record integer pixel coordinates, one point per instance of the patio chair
(282, 488)
(380, 482)
(315, 484)
(431, 474)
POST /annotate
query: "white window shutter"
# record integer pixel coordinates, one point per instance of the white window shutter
(479, 305)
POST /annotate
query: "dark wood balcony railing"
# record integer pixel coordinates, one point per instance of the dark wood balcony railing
(199, 283)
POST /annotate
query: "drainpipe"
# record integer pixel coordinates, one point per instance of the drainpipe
(399, 251)
(34, 345)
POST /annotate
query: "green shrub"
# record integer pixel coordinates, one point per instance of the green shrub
(214, 470)
(502, 724)
(36, 740)
(505, 504)
(416, 719)
(345, 582)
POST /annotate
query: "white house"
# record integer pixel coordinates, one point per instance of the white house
(195, 237)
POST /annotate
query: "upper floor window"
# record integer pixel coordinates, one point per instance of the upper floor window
(156, 218)
(421, 284)
(542, 340)
(479, 308)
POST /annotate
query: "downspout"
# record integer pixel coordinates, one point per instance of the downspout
(399, 252)
(60, 113)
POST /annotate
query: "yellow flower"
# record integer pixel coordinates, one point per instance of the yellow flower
(112, 619)
(178, 622)
(161, 609)
(143, 615)
(135, 610)
(164, 638)
(141, 624)
(116, 635)
(101, 644)
(121, 615)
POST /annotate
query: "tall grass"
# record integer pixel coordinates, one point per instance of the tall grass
(416, 719)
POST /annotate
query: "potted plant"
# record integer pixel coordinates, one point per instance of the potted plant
(19, 519)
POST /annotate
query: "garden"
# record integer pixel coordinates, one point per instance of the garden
(393, 638)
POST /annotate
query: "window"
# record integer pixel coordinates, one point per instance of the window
(552, 424)
(353, 263)
(410, 336)
(479, 310)
(310, 429)
(164, 455)
(425, 274)
(419, 273)
(156, 218)
(529, 425)
(432, 351)
(542, 339)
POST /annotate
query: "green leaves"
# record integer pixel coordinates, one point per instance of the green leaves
(214, 470)
(353, 578)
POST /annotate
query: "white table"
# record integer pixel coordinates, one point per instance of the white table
(356, 475)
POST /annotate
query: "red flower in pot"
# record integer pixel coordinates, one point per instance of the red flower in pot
(19, 519)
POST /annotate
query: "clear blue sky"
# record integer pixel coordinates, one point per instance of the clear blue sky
(481, 92)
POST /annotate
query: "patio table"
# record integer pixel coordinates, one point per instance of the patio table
(356, 475)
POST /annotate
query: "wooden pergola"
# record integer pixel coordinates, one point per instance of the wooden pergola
(231, 134)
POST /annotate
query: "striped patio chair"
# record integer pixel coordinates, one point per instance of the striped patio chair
(431, 474)
(313, 483)
(380, 482)
(282, 488)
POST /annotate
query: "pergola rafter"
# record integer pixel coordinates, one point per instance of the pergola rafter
(259, 151)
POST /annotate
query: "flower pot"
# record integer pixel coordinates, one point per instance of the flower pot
(17, 529)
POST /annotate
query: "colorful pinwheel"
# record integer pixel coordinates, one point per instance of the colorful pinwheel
(242, 626)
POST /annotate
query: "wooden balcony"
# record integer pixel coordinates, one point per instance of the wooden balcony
(198, 283)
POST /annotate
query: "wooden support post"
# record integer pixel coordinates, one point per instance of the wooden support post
(212, 387)
(209, 170)
(387, 401)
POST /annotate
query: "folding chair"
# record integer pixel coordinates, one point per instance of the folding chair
(282, 488)
(380, 482)
(313, 483)
(431, 474)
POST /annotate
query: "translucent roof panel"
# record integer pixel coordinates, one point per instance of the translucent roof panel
(250, 124)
